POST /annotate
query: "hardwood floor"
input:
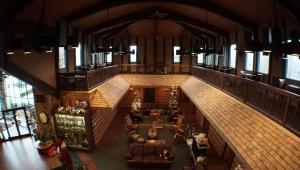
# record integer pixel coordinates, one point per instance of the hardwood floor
(21, 154)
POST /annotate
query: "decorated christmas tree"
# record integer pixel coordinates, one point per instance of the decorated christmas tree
(173, 99)
(136, 104)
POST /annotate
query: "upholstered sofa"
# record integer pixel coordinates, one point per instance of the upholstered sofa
(148, 155)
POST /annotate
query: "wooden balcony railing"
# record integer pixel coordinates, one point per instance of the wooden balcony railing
(281, 105)
(155, 68)
(86, 80)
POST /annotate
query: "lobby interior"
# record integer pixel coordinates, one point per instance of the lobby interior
(147, 84)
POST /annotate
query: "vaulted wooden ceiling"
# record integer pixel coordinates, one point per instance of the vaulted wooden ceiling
(226, 16)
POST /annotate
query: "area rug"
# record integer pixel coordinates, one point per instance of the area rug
(113, 158)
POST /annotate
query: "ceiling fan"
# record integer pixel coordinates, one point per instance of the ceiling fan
(159, 15)
(45, 37)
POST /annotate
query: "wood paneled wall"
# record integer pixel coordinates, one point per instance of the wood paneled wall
(200, 119)
(153, 50)
(41, 65)
(68, 98)
(101, 119)
(216, 141)
(162, 97)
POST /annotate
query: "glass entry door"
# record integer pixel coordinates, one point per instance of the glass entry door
(15, 122)
(22, 122)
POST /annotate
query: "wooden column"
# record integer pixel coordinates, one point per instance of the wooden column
(173, 43)
(122, 57)
(145, 54)
(191, 57)
(180, 61)
(164, 50)
(154, 50)
(138, 61)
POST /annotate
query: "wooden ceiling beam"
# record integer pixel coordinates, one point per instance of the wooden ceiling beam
(123, 19)
(111, 34)
(200, 36)
(19, 6)
(203, 4)
(113, 29)
(290, 8)
(189, 20)
(106, 35)
(149, 13)
(197, 32)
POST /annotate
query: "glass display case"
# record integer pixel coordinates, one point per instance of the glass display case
(70, 122)
(73, 127)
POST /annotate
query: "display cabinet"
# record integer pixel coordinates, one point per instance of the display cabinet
(73, 126)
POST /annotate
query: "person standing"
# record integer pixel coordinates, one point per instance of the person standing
(64, 154)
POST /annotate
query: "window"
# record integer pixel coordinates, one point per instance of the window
(99, 58)
(224, 59)
(78, 55)
(93, 58)
(133, 56)
(109, 56)
(176, 57)
(210, 59)
(17, 93)
(216, 60)
(249, 61)
(292, 67)
(62, 57)
(200, 58)
(263, 63)
(232, 62)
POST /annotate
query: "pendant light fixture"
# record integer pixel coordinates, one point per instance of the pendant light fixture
(93, 46)
(42, 39)
(220, 51)
(267, 39)
(209, 46)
